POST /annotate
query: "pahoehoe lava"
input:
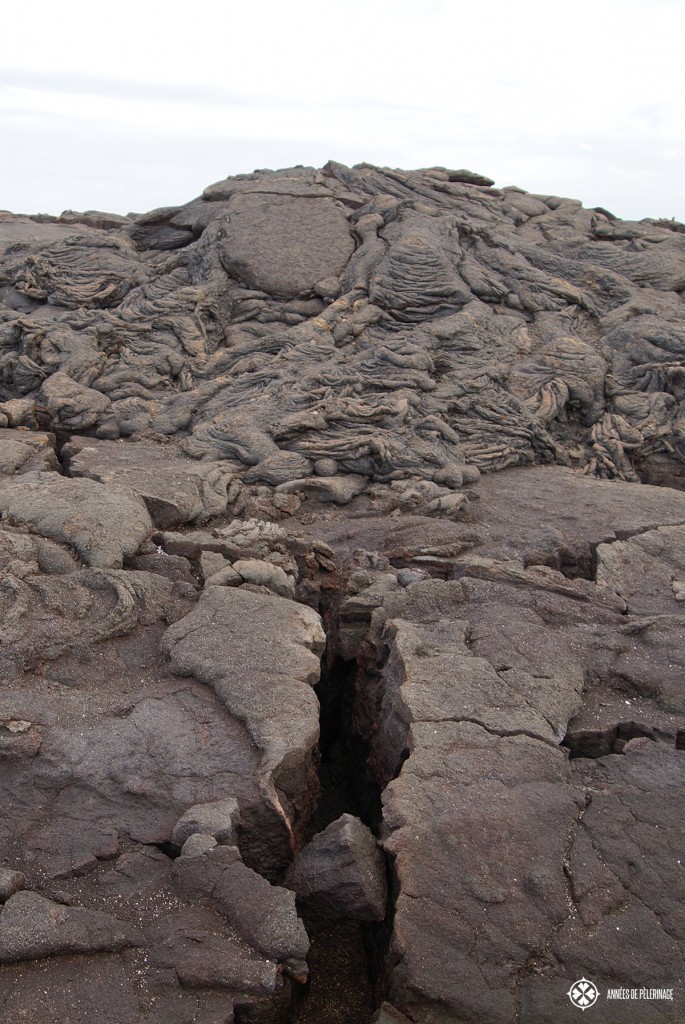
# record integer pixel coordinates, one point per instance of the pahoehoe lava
(342, 568)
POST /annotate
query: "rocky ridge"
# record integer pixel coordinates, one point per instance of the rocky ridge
(338, 495)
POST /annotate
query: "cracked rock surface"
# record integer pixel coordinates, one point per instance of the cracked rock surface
(355, 482)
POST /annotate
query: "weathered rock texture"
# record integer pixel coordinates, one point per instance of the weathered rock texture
(341, 873)
(446, 421)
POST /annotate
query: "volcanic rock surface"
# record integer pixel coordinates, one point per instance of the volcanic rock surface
(342, 551)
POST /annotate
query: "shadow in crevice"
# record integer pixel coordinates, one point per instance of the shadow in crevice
(346, 957)
(345, 784)
(577, 562)
(612, 739)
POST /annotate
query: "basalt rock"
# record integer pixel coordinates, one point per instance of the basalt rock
(341, 874)
(22, 451)
(175, 489)
(217, 820)
(102, 524)
(32, 927)
(444, 423)
(262, 914)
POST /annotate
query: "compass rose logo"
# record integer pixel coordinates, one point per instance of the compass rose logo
(583, 994)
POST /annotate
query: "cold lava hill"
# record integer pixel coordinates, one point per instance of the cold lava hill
(342, 569)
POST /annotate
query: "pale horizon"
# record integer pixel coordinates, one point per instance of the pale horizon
(148, 109)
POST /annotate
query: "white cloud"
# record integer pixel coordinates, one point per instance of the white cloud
(147, 98)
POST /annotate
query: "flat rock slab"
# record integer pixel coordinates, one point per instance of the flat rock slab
(284, 245)
(201, 959)
(175, 489)
(264, 915)
(624, 928)
(482, 886)
(105, 988)
(541, 515)
(260, 654)
(533, 513)
(648, 570)
(515, 828)
(103, 524)
(122, 746)
(32, 927)
(100, 786)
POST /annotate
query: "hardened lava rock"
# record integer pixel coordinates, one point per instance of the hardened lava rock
(342, 571)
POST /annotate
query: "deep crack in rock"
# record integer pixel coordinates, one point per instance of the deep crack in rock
(435, 425)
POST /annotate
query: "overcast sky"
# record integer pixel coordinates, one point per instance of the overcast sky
(138, 104)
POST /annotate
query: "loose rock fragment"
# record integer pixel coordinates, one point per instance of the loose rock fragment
(341, 873)
(11, 882)
(32, 926)
(217, 819)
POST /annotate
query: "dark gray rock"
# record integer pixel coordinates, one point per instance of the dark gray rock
(648, 571)
(218, 819)
(173, 567)
(226, 577)
(253, 570)
(11, 882)
(262, 914)
(79, 990)
(388, 1014)
(197, 844)
(103, 524)
(428, 408)
(32, 927)
(22, 451)
(138, 872)
(211, 562)
(71, 405)
(89, 269)
(341, 873)
(175, 489)
(203, 960)
(282, 244)
(260, 654)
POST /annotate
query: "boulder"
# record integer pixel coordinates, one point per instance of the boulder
(253, 570)
(283, 244)
(197, 844)
(71, 405)
(341, 873)
(11, 882)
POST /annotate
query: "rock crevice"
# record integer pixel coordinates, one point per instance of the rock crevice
(342, 567)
